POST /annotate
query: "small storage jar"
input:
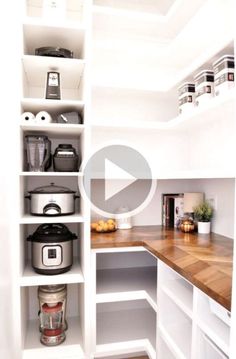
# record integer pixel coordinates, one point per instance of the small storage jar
(186, 94)
(224, 74)
(204, 87)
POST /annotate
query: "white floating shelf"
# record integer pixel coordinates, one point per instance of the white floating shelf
(55, 129)
(36, 68)
(49, 174)
(71, 348)
(72, 218)
(215, 108)
(52, 106)
(31, 278)
(40, 33)
(123, 284)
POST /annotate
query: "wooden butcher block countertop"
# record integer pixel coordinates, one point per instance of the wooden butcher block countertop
(204, 260)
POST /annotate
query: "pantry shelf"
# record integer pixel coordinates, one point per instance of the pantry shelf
(47, 174)
(72, 218)
(31, 278)
(36, 68)
(127, 284)
(39, 33)
(215, 109)
(72, 347)
(55, 129)
(52, 106)
(126, 328)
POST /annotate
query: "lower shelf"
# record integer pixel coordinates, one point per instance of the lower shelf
(126, 325)
(72, 347)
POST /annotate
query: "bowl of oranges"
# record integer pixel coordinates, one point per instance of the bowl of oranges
(104, 226)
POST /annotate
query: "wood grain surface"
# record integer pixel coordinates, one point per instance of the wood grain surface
(206, 260)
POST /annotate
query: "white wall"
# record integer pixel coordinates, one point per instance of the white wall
(221, 189)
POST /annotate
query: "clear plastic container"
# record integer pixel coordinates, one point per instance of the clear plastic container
(224, 74)
(204, 86)
(186, 97)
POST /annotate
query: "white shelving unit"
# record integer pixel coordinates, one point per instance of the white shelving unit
(72, 33)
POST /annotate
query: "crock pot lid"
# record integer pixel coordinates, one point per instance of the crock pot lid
(52, 188)
(52, 233)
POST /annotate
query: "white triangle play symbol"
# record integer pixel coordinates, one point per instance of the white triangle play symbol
(122, 177)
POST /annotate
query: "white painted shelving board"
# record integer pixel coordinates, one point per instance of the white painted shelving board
(72, 218)
(55, 128)
(31, 278)
(56, 174)
(52, 106)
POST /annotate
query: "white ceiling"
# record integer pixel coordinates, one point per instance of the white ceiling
(160, 7)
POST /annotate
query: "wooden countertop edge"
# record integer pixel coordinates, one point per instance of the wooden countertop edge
(147, 244)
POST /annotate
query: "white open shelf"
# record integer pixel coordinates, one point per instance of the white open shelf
(35, 70)
(123, 284)
(72, 218)
(217, 330)
(181, 292)
(125, 328)
(175, 326)
(31, 278)
(40, 33)
(72, 346)
(55, 128)
(214, 109)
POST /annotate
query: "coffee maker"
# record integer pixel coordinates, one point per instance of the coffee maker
(38, 153)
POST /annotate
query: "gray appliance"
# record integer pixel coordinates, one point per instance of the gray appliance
(52, 248)
(65, 159)
(70, 118)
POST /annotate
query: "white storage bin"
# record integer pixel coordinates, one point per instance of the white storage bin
(186, 97)
(224, 74)
(204, 87)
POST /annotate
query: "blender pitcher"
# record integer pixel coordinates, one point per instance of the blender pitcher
(38, 150)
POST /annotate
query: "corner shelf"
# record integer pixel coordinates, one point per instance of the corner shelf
(124, 284)
(31, 278)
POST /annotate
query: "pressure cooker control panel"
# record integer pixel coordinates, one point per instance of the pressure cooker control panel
(52, 255)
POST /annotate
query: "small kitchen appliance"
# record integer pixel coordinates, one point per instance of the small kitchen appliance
(52, 200)
(54, 51)
(123, 222)
(38, 150)
(65, 159)
(53, 91)
(52, 249)
(68, 118)
(52, 313)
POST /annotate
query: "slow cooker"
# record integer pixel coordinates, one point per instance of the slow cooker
(52, 200)
(52, 248)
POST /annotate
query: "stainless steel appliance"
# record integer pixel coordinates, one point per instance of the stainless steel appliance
(52, 200)
(54, 51)
(38, 150)
(65, 159)
(52, 248)
(52, 313)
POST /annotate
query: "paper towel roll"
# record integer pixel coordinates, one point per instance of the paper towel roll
(28, 117)
(43, 117)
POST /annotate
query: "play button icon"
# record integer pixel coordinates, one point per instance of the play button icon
(116, 172)
(117, 176)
